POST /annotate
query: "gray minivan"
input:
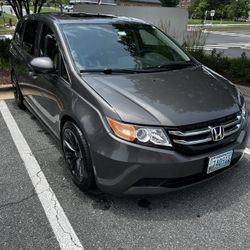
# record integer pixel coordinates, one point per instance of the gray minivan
(134, 112)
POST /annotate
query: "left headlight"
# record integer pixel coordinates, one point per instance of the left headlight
(148, 136)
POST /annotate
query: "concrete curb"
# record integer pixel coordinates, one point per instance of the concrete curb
(5, 87)
(246, 46)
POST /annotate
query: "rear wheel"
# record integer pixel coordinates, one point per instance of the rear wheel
(77, 155)
(17, 92)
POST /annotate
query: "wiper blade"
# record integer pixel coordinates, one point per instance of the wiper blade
(176, 65)
(111, 71)
(172, 66)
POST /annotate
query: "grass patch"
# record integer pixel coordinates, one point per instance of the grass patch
(49, 9)
(4, 19)
(229, 28)
(7, 31)
(198, 21)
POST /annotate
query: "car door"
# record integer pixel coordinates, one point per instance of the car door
(53, 93)
(23, 51)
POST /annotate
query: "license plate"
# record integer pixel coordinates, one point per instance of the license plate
(219, 161)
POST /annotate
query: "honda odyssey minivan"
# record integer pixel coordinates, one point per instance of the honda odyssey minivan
(134, 112)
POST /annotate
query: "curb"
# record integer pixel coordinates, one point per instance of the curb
(246, 46)
(5, 87)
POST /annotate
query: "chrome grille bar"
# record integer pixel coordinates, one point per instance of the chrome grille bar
(194, 142)
(204, 134)
(190, 133)
(238, 118)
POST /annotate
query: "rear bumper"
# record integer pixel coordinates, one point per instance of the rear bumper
(126, 168)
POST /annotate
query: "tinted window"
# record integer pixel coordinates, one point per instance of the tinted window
(49, 46)
(29, 37)
(121, 46)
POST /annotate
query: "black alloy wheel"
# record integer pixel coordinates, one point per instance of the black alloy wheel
(77, 156)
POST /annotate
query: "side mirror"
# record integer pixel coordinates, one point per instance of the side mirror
(42, 65)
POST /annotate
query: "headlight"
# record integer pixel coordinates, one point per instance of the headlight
(139, 134)
(242, 104)
(244, 110)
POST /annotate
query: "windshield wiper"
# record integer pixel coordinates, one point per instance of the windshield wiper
(111, 71)
(176, 65)
(173, 66)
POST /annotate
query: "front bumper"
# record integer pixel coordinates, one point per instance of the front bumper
(125, 168)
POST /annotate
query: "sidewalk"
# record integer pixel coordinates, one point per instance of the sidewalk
(6, 92)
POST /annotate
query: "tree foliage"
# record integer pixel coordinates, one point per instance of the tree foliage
(169, 3)
(23, 6)
(231, 9)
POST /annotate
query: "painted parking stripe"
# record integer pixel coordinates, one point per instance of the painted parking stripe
(247, 151)
(59, 222)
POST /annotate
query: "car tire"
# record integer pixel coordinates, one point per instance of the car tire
(17, 91)
(77, 156)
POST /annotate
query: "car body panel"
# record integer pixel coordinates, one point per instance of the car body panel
(164, 99)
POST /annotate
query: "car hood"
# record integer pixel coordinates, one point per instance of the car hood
(169, 98)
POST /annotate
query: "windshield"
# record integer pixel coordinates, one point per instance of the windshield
(121, 46)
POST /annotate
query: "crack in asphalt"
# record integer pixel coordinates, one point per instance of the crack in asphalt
(34, 193)
(53, 199)
(58, 220)
(43, 149)
(12, 203)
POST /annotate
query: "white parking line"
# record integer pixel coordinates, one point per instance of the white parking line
(59, 222)
(247, 151)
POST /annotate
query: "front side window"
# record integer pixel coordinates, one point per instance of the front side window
(29, 36)
(49, 46)
(121, 46)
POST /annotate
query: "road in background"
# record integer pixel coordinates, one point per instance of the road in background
(230, 43)
(211, 215)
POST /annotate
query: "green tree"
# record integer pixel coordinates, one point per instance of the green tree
(19, 6)
(169, 3)
(201, 8)
(230, 9)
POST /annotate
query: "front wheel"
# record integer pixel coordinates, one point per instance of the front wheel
(77, 156)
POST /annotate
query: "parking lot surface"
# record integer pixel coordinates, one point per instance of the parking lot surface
(211, 215)
(231, 44)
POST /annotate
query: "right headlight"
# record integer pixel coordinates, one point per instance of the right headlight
(244, 110)
(148, 136)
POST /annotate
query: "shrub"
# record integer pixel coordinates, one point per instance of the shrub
(195, 38)
(4, 54)
(236, 69)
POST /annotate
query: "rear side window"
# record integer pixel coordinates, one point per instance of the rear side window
(19, 33)
(29, 37)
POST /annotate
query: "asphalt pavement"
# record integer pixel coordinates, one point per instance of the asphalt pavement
(232, 44)
(211, 215)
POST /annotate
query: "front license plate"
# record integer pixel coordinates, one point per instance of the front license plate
(219, 161)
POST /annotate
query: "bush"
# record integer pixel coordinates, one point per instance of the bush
(4, 54)
(236, 69)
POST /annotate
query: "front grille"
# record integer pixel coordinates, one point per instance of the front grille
(197, 138)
